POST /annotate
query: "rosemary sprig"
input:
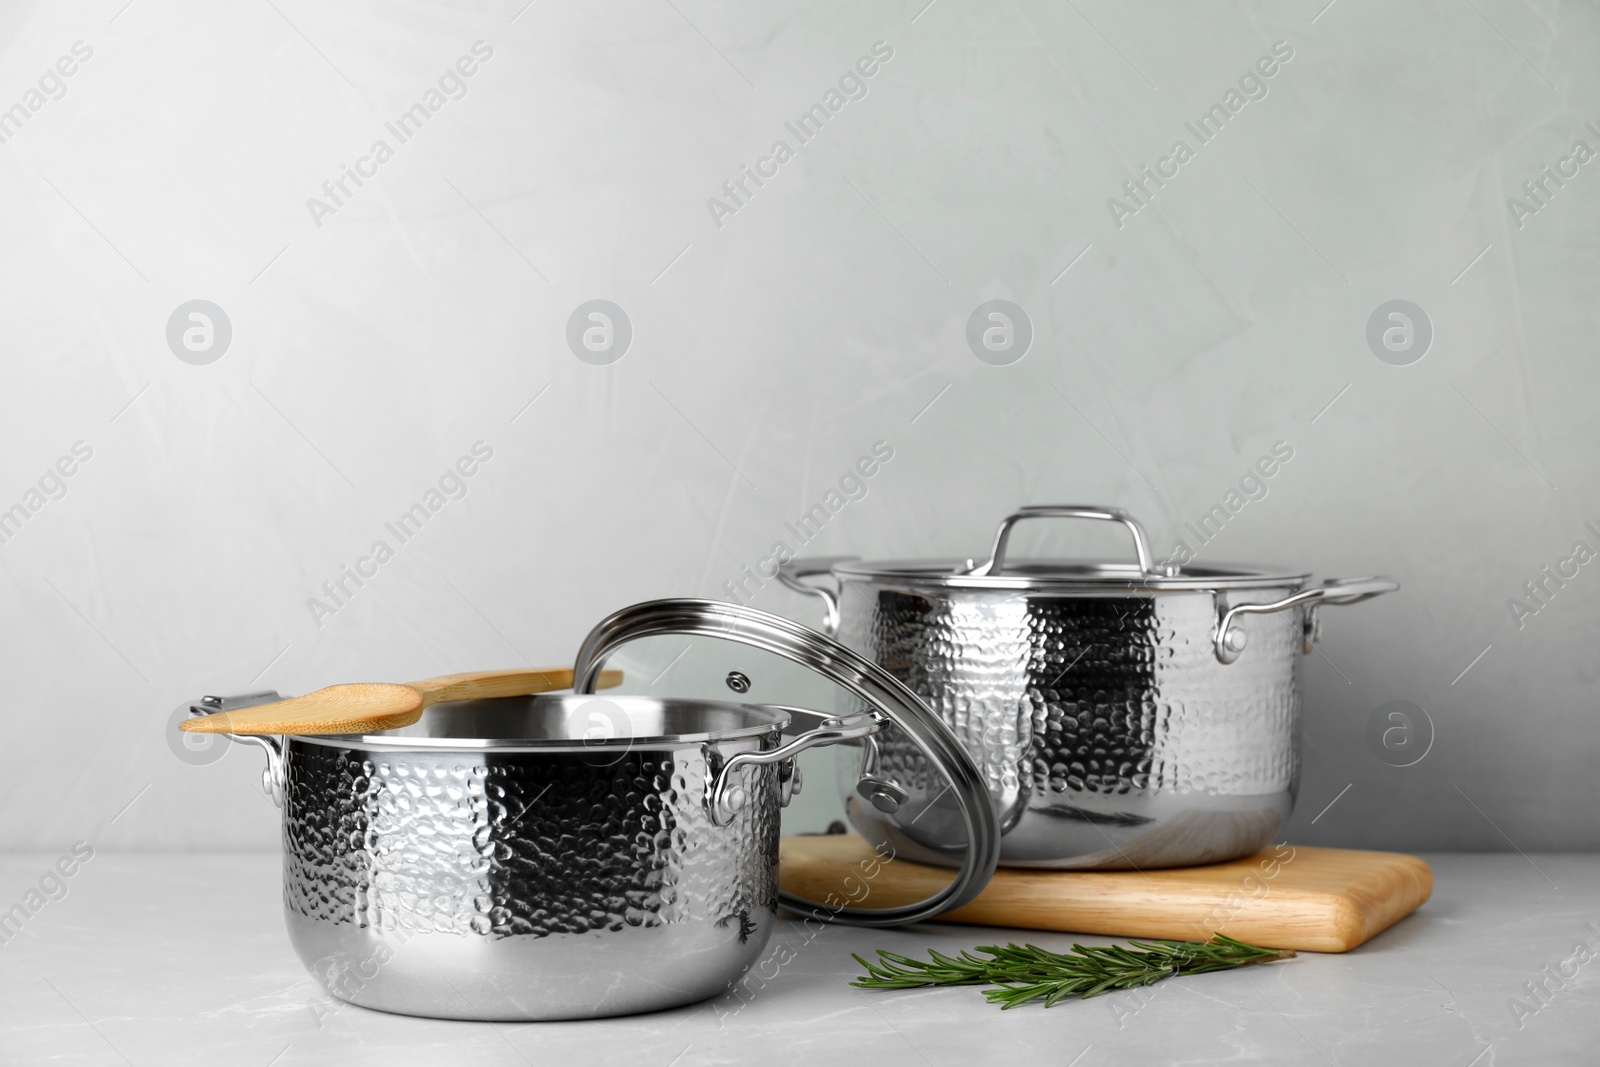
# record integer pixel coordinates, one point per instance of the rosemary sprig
(1027, 972)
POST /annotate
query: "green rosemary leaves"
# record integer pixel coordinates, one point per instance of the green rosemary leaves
(1025, 972)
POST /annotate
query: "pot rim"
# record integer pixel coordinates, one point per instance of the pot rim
(759, 720)
(1070, 575)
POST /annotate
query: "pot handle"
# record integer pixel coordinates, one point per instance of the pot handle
(889, 698)
(272, 775)
(792, 573)
(724, 798)
(1229, 639)
(1148, 566)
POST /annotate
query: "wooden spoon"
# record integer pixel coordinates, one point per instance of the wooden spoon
(369, 707)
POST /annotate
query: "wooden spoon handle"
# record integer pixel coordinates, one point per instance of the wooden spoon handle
(478, 685)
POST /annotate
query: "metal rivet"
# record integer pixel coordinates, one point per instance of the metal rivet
(739, 683)
(885, 796)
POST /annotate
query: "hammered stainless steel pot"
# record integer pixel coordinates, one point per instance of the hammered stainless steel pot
(1123, 715)
(575, 856)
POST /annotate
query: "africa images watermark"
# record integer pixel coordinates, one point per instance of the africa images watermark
(1399, 332)
(999, 332)
(852, 86)
(452, 85)
(855, 888)
(1551, 982)
(1252, 887)
(1252, 486)
(199, 332)
(52, 485)
(52, 85)
(1542, 187)
(599, 332)
(451, 485)
(1252, 86)
(344, 981)
(852, 486)
(1400, 733)
(1541, 589)
(52, 886)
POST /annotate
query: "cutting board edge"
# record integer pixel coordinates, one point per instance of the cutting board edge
(1183, 904)
(1402, 902)
(1326, 921)
(1251, 931)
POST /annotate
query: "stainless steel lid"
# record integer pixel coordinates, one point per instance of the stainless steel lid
(890, 700)
(1144, 573)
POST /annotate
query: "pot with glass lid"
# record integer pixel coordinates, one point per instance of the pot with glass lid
(574, 855)
(1123, 714)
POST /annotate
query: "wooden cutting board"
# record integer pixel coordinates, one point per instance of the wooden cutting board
(1286, 896)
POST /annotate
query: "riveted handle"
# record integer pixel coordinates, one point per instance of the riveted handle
(1229, 638)
(792, 574)
(1148, 567)
(273, 774)
(723, 794)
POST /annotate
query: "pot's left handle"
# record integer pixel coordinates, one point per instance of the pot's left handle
(792, 574)
(272, 775)
(1229, 639)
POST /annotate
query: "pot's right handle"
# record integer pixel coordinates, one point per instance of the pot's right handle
(1229, 639)
(724, 798)
(792, 574)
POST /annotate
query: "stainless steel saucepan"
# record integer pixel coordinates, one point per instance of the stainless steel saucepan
(1123, 714)
(574, 856)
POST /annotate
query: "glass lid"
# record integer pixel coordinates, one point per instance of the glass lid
(960, 805)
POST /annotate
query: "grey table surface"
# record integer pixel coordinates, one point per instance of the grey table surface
(178, 959)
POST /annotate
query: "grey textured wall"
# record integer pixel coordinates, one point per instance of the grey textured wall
(1367, 153)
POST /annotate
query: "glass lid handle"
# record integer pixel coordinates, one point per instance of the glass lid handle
(1141, 540)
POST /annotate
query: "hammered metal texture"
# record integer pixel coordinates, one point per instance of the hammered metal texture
(1105, 727)
(524, 885)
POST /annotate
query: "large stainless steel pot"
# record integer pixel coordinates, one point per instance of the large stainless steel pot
(1123, 715)
(574, 856)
